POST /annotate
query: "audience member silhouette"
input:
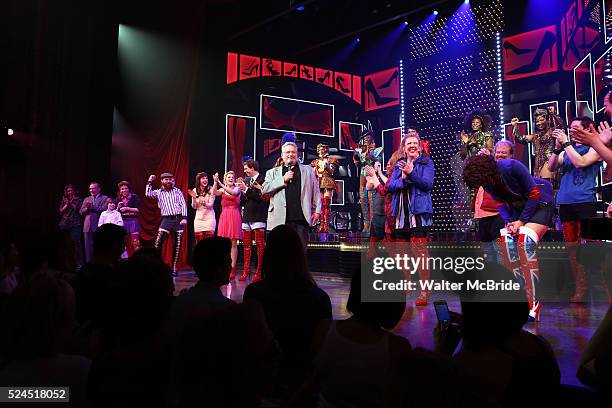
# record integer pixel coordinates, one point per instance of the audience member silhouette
(224, 358)
(355, 356)
(37, 322)
(135, 371)
(595, 368)
(292, 302)
(499, 360)
(212, 264)
(94, 283)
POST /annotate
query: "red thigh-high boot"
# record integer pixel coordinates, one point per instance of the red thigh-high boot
(198, 236)
(260, 241)
(247, 243)
(528, 241)
(419, 249)
(571, 234)
(324, 222)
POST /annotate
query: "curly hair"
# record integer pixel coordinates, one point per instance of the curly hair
(479, 170)
(485, 120)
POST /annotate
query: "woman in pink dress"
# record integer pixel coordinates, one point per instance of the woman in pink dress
(230, 223)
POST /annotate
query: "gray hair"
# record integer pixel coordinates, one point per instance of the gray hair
(289, 144)
(506, 143)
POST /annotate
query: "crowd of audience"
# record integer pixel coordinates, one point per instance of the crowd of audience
(114, 332)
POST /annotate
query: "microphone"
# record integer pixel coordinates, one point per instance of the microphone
(290, 167)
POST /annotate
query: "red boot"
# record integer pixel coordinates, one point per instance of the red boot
(260, 242)
(571, 234)
(419, 247)
(531, 273)
(247, 243)
(324, 223)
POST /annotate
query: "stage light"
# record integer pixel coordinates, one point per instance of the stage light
(357, 39)
(435, 12)
(466, 2)
(300, 8)
(10, 132)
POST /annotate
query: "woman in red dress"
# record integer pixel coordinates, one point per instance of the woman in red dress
(230, 223)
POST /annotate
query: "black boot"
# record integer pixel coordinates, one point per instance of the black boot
(160, 239)
(178, 241)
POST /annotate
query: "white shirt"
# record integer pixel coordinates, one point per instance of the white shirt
(110, 217)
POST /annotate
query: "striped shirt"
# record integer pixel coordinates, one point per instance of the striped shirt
(170, 202)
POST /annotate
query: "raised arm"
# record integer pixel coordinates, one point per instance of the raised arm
(576, 158)
(149, 192)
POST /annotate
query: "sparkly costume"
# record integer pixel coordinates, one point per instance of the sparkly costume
(324, 168)
(543, 143)
(477, 141)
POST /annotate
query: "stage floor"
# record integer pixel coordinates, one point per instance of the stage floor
(567, 327)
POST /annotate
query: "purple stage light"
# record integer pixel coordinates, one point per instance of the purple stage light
(300, 8)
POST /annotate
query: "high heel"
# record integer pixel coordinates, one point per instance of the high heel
(371, 90)
(518, 51)
(292, 70)
(306, 73)
(270, 68)
(547, 43)
(340, 83)
(390, 80)
(249, 71)
(324, 78)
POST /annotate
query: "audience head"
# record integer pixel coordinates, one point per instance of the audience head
(284, 261)
(203, 366)
(503, 319)
(212, 260)
(109, 241)
(38, 318)
(382, 314)
(143, 297)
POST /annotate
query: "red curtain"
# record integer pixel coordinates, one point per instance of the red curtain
(150, 126)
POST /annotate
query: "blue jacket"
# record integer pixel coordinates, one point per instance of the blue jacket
(419, 181)
(534, 191)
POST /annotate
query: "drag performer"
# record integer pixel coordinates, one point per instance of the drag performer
(203, 201)
(411, 205)
(543, 143)
(579, 167)
(254, 216)
(173, 211)
(230, 222)
(366, 155)
(128, 205)
(475, 135)
(525, 205)
(325, 167)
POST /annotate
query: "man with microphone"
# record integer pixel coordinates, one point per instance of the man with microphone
(295, 195)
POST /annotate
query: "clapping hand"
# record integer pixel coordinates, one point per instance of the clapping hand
(605, 132)
(191, 193)
(560, 135)
(216, 177)
(408, 167)
(369, 170)
(257, 185)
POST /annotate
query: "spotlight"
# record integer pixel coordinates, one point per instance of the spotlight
(466, 2)
(435, 12)
(405, 23)
(357, 39)
(300, 8)
(10, 131)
